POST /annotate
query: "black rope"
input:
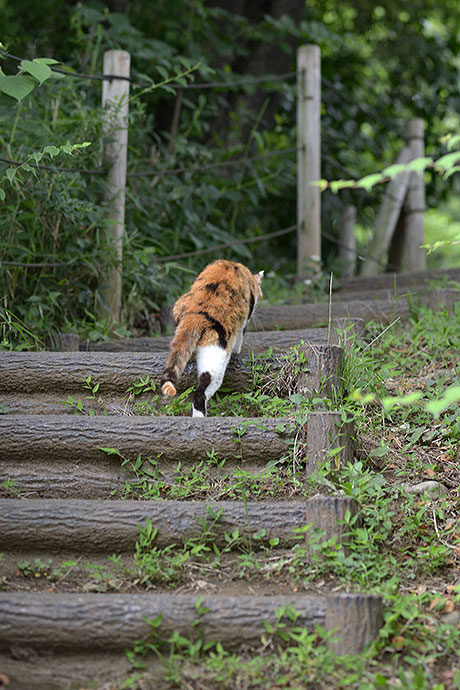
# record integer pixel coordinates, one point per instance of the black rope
(199, 252)
(161, 171)
(209, 166)
(334, 240)
(53, 167)
(205, 85)
(232, 84)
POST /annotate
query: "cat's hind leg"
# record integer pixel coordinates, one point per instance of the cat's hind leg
(211, 363)
(238, 342)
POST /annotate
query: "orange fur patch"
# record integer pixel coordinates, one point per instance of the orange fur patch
(168, 389)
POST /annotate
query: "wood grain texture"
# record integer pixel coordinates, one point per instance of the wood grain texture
(42, 382)
(388, 281)
(175, 439)
(97, 526)
(87, 526)
(387, 217)
(65, 372)
(115, 621)
(253, 342)
(414, 257)
(306, 315)
(325, 432)
(32, 669)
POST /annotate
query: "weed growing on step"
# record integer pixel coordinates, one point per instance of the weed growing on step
(403, 545)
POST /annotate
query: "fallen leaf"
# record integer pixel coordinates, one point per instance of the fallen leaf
(434, 602)
(429, 471)
(4, 680)
(398, 641)
(449, 606)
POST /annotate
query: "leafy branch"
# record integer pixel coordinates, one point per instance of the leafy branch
(11, 173)
(447, 165)
(31, 73)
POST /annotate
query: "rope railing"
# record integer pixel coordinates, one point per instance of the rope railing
(172, 257)
(221, 164)
(145, 84)
(201, 252)
(232, 81)
(248, 240)
(163, 171)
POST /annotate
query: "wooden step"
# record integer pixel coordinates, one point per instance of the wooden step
(256, 343)
(89, 526)
(49, 624)
(61, 456)
(366, 308)
(389, 281)
(42, 382)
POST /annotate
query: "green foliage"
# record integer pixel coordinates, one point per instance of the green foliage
(56, 224)
(32, 73)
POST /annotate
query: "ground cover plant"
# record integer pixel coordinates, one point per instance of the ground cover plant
(405, 543)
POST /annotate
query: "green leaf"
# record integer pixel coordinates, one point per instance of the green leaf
(2, 194)
(337, 185)
(322, 184)
(38, 70)
(419, 164)
(379, 452)
(391, 401)
(11, 174)
(46, 61)
(51, 151)
(110, 451)
(394, 170)
(18, 86)
(447, 161)
(450, 396)
(297, 398)
(369, 181)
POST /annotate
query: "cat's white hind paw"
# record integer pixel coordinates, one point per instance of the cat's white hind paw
(196, 413)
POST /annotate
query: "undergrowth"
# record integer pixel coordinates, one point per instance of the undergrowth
(402, 544)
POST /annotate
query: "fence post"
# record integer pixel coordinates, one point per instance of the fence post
(347, 246)
(115, 101)
(308, 159)
(414, 258)
(387, 217)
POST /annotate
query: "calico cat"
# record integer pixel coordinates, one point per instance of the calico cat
(210, 320)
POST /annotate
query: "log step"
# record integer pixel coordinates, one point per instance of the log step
(61, 456)
(383, 311)
(433, 299)
(41, 382)
(388, 281)
(74, 623)
(85, 526)
(253, 342)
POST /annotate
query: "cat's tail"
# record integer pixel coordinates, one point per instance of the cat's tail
(182, 348)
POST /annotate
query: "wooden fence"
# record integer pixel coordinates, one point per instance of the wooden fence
(400, 220)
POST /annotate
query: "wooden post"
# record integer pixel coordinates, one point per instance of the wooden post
(115, 95)
(387, 217)
(414, 258)
(308, 160)
(347, 246)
